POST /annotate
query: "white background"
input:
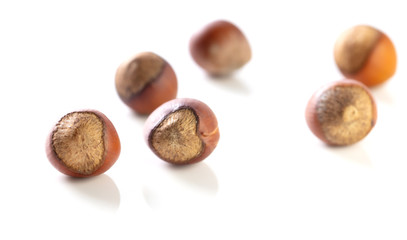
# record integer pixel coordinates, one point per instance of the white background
(269, 177)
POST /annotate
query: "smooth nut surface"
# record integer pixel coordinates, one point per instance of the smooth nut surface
(145, 81)
(365, 54)
(220, 48)
(83, 144)
(341, 113)
(182, 131)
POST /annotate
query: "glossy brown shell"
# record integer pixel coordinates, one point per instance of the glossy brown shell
(220, 48)
(366, 54)
(163, 87)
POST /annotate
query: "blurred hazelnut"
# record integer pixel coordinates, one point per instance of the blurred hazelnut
(146, 81)
(220, 48)
(365, 54)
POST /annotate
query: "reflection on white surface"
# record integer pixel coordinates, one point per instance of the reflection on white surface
(200, 176)
(231, 82)
(139, 118)
(382, 95)
(180, 187)
(355, 153)
(100, 190)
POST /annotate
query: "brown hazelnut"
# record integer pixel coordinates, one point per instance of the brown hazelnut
(83, 144)
(365, 54)
(220, 48)
(341, 113)
(146, 81)
(182, 131)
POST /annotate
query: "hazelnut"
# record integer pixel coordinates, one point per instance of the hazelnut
(341, 113)
(365, 54)
(182, 131)
(220, 48)
(83, 144)
(145, 81)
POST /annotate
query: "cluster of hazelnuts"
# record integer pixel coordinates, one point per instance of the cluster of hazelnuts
(344, 112)
(178, 130)
(184, 131)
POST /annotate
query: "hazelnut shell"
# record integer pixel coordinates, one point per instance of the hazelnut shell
(220, 48)
(365, 54)
(311, 110)
(207, 129)
(160, 87)
(112, 149)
